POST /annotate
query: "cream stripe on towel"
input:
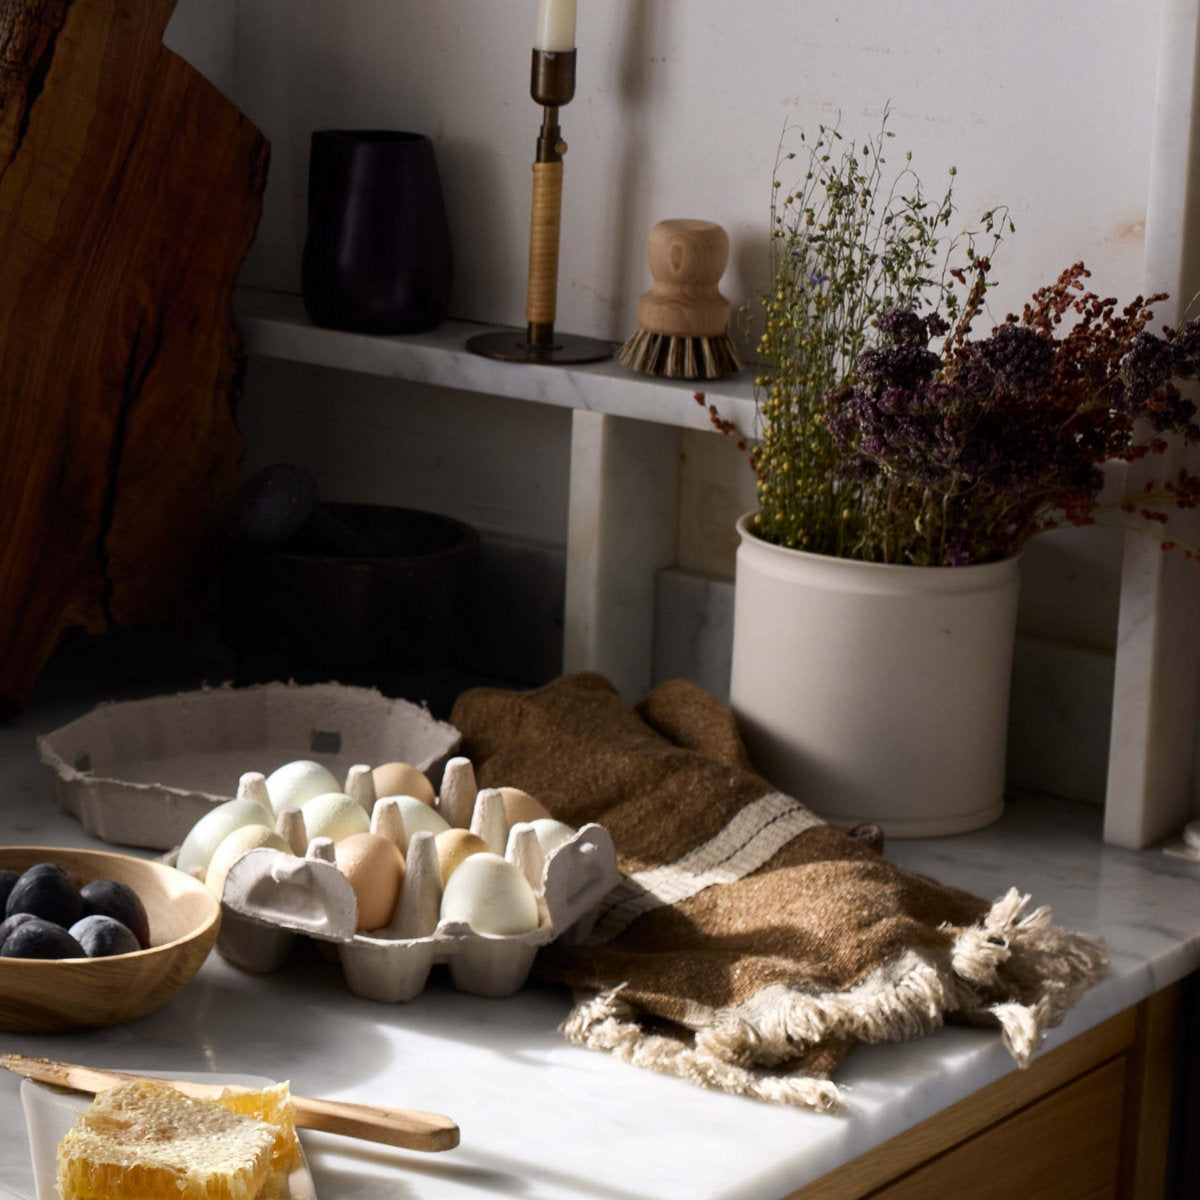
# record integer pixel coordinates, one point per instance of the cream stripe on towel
(754, 835)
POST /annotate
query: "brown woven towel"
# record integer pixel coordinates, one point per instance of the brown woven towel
(751, 944)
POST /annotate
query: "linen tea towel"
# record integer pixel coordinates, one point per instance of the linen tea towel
(750, 944)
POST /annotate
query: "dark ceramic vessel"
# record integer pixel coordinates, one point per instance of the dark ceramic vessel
(377, 257)
(319, 612)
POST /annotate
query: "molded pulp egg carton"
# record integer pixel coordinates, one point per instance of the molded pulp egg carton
(271, 898)
(143, 772)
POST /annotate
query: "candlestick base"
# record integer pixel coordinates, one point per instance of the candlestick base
(513, 345)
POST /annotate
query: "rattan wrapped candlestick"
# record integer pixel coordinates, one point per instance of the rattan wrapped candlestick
(552, 84)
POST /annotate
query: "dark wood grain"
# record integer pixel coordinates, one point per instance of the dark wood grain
(130, 191)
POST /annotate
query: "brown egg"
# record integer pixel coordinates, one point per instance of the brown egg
(453, 845)
(521, 806)
(374, 867)
(401, 779)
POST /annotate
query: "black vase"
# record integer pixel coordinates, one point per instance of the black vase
(377, 258)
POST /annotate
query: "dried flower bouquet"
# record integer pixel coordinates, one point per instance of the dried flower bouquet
(961, 456)
(873, 445)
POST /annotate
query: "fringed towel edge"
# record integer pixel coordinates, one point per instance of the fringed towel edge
(1015, 970)
(609, 1023)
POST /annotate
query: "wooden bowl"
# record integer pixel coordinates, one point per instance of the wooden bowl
(45, 995)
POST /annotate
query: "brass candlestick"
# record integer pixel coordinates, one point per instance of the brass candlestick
(552, 84)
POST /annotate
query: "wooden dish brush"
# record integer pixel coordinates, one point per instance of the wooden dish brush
(683, 319)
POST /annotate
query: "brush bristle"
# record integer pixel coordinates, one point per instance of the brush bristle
(680, 357)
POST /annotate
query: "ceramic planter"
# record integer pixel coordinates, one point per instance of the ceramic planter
(874, 692)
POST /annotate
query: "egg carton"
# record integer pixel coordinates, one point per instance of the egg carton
(271, 898)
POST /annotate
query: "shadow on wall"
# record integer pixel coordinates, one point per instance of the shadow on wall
(639, 84)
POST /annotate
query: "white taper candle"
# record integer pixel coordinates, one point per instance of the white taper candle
(555, 26)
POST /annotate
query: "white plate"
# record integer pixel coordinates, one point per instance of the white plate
(50, 1112)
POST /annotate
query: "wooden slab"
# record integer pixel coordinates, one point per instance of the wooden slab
(130, 191)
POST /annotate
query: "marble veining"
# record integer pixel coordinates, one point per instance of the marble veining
(542, 1120)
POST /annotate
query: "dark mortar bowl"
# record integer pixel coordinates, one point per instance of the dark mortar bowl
(407, 605)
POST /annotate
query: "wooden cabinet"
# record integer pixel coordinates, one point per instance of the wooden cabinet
(1087, 1121)
(1077, 1129)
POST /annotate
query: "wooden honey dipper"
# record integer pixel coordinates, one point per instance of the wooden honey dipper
(683, 319)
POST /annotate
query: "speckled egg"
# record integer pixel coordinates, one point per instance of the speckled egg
(334, 815)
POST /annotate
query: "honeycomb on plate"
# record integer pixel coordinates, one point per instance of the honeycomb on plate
(144, 1140)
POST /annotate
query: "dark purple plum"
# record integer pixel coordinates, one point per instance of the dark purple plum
(46, 891)
(10, 923)
(108, 898)
(7, 878)
(53, 868)
(102, 936)
(37, 938)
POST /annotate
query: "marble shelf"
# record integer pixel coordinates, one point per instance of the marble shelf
(274, 325)
(624, 470)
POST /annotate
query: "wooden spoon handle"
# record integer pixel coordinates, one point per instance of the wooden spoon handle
(404, 1127)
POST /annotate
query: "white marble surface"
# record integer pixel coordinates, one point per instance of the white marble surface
(545, 1121)
(274, 325)
(693, 630)
(1151, 783)
(623, 528)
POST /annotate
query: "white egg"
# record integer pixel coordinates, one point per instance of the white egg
(334, 815)
(490, 895)
(551, 834)
(417, 815)
(297, 782)
(240, 841)
(212, 829)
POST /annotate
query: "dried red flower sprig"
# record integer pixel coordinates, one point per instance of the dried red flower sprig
(962, 455)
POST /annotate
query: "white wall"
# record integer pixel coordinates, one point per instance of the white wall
(679, 109)
(1044, 107)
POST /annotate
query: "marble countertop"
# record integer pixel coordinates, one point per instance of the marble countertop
(542, 1120)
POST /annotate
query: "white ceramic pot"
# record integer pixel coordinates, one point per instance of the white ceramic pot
(874, 692)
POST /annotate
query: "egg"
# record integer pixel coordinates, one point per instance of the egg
(212, 829)
(521, 806)
(402, 779)
(374, 867)
(233, 846)
(453, 846)
(417, 815)
(297, 782)
(551, 834)
(334, 815)
(490, 895)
